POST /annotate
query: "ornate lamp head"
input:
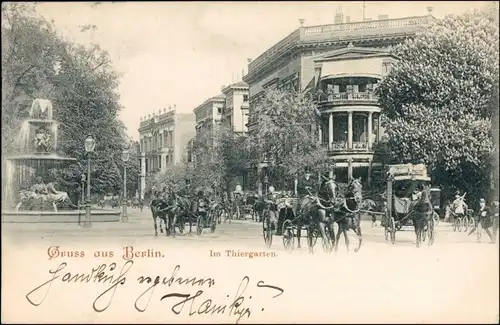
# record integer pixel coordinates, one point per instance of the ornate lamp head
(89, 144)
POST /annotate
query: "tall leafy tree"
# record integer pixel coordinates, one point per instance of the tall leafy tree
(437, 100)
(81, 83)
(287, 133)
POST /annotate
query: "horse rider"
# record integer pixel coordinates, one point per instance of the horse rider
(459, 207)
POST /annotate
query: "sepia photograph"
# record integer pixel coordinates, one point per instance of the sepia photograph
(250, 162)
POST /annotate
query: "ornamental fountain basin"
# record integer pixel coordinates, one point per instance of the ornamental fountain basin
(29, 193)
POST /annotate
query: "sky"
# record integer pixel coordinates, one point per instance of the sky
(183, 52)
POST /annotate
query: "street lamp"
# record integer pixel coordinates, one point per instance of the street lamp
(89, 148)
(83, 189)
(125, 157)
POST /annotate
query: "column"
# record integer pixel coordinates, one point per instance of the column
(378, 127)
(369, 181)
(349, 170)
(295, 185)
(163, 161)
(349, 131)
(320, 133)
(259, 186)
(143, 176)
(330, 129)
(370, 130)
(331, 171)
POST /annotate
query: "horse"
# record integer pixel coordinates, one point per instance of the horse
(314, 211)
(422, 215)
(159, 208)
(347, 212)
(185, 210)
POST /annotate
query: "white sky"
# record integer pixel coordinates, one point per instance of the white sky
(183, 52)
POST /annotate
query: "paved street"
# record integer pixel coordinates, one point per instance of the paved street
(240, 232)
(383, 282)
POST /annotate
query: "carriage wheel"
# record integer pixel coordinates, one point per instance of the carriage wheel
(267, 230)
(472, 222)
(288, 235)
(199, 226)
(455, 224)
(328, 244)
(392, 230)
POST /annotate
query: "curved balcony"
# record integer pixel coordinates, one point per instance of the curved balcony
(351, 98)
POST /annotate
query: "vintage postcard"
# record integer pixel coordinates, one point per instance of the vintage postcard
(250, 162)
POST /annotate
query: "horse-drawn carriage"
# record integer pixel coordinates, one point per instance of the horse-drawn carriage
(110, 200)
(279, 216)
(407, 187)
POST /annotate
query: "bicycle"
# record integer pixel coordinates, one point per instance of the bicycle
(459, 222)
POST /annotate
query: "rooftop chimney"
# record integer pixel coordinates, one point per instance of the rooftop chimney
(164, 110)
(383, 17)
(429, 10)
(159, 111)
(301, 22)
(339, 16)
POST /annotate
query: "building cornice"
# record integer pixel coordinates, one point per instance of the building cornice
(324, 36)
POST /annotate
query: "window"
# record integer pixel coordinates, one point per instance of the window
(219, 110)
(245, 98)
(386, 67)
(159, 162)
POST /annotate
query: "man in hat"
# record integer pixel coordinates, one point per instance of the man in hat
(306, 185)
(459, 207)
(483, 220)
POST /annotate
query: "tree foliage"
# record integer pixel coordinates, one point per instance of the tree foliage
(286, 132)
(82, 85)
(437, 98)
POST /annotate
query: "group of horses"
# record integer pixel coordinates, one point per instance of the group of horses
(336, 203)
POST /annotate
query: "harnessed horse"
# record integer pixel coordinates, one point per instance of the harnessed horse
(422, 214)
(347, 212)
(313, 210)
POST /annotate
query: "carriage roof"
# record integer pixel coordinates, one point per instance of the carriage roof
(412, 172)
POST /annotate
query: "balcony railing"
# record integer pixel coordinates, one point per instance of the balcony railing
(339, 32)
(341, 146)
(346, 97)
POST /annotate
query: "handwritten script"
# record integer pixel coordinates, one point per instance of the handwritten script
(182, 301)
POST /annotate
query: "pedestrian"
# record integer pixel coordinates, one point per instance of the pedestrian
(483, 220)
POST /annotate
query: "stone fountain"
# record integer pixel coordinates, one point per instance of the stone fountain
(28, 192)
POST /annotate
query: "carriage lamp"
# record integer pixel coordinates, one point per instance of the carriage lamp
(125, 158)
(89, 147)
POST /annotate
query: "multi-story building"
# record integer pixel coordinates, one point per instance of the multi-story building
(235, 113)
(341, 64)
(209, 114)
(164, 138)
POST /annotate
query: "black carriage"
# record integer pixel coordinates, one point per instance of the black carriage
(205, 218)
(287, 227)
(401, 182)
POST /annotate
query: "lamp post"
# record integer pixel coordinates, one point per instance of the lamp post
(89, 148)
(83, 190)
(266, 181)
(125, 157)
